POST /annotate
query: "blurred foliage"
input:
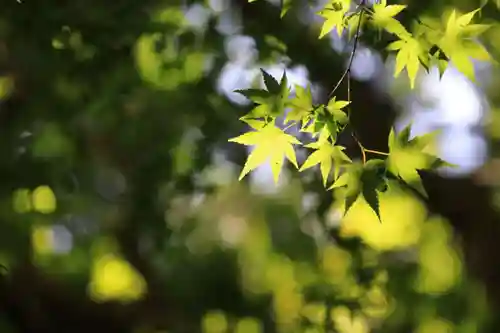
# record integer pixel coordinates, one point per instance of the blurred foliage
(117, 184)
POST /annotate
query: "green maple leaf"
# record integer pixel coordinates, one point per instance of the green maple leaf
(300, 106)
(335, 108)
(322, 122)
(474, 30)
(264, 100)
(259, 96)
(455, 25)
(330, 118)
(334, 13)
(270, 102)
(350, 181)
(373, 181)
(458, 44)
(363, 180)
(254, 123)
(326, 155)
(383, 17)
(438, 59)
(271, 144)
(271, 83)
(410, 54)
(420, 142)
(407, 157)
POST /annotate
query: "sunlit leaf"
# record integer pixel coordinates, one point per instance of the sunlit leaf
(383, 17)
(334, 13)
(363, 180)
(326, 154)
(407, 156)
(409, 56)
(270, 102)
(271, 144)
(335, 108)
(300, 105)
(459, 49)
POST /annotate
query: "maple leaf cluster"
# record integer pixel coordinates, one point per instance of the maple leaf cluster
(274, 145)
(426, 44)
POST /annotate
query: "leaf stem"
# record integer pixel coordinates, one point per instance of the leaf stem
(361, 148)
(375, 152)
(293, 123)
(364, 150)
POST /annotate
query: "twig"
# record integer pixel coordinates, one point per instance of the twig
(347, 74)
(353, 52)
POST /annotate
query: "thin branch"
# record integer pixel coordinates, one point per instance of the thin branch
(353, 52)
(347, 74)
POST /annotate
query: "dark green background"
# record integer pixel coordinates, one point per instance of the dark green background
(87, 110)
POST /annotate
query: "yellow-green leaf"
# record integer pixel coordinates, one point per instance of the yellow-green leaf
(407, 156)
(383, 17)
(462, 62)
(325, 155)
(409, 54)
(465, 19)
(476, 51)
(335, 108)
(271, 144)
(333, 13)
(340, 181)
(301, 105)
(458, 48)
(254, 123)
